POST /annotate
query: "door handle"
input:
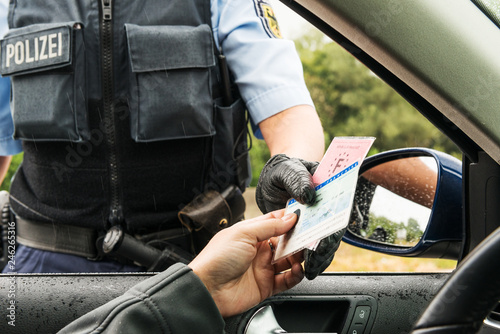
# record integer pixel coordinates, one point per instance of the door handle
(264, 322)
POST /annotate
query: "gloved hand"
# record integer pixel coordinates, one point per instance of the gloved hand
(318, 260)
(283, 178)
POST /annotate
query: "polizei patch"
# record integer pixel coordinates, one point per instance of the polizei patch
(269, 21)
(36, 50)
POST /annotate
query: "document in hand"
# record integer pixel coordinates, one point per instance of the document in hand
(335, 180)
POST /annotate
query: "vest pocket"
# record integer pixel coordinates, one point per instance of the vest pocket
(170, 89)
(231, 161)
(46, 63)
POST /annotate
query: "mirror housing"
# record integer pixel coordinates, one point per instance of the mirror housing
(445, 230)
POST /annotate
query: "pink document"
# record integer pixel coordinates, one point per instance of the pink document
(342, 152)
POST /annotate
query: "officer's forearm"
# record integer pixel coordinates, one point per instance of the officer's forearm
(296, 132)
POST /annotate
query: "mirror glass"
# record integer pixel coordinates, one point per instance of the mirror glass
(393, 201)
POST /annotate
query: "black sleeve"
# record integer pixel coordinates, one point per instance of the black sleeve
(174, 301)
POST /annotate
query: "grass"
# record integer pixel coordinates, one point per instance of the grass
(350, 258)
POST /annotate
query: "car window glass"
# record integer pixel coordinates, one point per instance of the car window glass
(491, 8)
(352, 101)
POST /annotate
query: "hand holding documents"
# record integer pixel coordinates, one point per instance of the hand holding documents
(335, 180)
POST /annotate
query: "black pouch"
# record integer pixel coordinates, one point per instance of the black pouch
(46, 63)
(170, 89)
(231, 161)
(210, 212)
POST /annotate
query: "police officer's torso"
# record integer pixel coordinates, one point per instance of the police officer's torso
(141, 75)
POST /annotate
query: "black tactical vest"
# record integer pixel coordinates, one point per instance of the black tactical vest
(117, 105)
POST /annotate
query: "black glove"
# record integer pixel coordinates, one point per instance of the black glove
(318, 260)
(283, 178)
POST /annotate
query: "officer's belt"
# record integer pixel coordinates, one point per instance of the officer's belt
(56, 237)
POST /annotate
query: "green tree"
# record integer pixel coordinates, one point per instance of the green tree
(352, 101)
(16, 161)
(413, 231)
(259, 154)
(380, 225)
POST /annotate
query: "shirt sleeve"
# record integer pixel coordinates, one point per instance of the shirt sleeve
(174, 301)
(8, 146)
(266, 68)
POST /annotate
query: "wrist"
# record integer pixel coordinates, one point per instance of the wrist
(210, 288)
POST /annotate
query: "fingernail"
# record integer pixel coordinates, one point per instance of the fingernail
(288, 217)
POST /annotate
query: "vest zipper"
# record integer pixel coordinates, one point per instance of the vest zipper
(116, 214)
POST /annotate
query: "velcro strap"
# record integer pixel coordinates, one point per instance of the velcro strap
(60, 238)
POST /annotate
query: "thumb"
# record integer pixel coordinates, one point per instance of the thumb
(264, 229)
(297, 180)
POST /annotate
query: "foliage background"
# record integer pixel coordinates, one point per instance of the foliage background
(352, 101)
(16, 160)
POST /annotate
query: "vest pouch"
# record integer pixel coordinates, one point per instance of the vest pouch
(46, 63)
(231, 161)
(170, 89)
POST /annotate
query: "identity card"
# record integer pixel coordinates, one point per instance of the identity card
(335, 179)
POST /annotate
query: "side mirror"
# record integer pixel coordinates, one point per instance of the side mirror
(408, 202)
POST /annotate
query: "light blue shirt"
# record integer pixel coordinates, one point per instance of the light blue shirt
(8, 146)
(267, 70)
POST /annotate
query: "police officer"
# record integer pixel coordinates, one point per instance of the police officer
(114, 103)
